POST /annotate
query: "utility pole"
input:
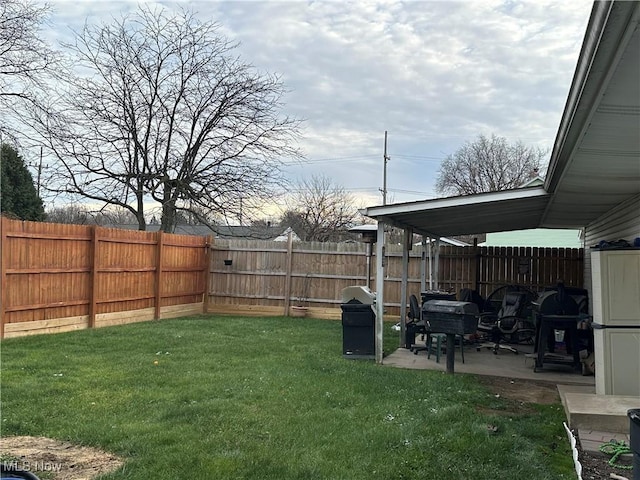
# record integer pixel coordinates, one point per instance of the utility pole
(39, 172)
(384, 179)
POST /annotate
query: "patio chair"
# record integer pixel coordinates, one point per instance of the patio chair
(415, 325)
(470, 295)
(510, 321)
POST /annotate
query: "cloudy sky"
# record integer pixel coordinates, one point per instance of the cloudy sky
(432, 74)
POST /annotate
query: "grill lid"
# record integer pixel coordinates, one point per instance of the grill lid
(556, 303)
(450, 306)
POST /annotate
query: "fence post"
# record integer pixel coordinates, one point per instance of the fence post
(287, 278)
(3, 271)
(207, 273)
(94, 276)
(158, 291)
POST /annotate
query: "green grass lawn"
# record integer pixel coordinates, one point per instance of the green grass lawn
(267, 398)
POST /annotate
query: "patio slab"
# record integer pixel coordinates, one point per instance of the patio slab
(485, 362)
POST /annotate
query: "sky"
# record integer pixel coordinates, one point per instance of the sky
(433, 74)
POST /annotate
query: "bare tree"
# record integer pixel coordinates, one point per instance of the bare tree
(488, 165)
(72, 214)
(80, 214)
(320, 210)
(25, 59)
(114, 216)
(167, 112)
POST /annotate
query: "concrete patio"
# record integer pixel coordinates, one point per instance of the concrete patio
(484, 362)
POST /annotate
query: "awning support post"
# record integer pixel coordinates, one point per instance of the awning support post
(379, 293)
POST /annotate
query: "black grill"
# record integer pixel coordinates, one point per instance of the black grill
(555, 303)
(446, 316)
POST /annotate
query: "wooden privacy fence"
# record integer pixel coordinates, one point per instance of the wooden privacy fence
(264, 278)
(58, 277)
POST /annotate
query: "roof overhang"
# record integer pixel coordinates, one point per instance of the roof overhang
(595, 162)
(483, 213)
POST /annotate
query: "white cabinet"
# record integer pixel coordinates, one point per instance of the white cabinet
(617, 358)
(616, 319)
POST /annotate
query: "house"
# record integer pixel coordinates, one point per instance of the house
(593, 183)
(266, 232)
(536, 237)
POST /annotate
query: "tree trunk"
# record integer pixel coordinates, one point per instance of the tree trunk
(168, 221)
(142, 223)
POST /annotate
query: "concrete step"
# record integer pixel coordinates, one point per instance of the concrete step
(590, 412)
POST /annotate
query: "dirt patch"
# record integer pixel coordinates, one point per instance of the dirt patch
(596, 467)
(55, 460)
(526, 391)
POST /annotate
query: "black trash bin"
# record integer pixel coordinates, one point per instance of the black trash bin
(634, 440)
(358, 323)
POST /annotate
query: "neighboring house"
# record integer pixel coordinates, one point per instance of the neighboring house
(284, 236)
(370, 230)
(535, 237)
(454, 241)
(267, 232)
(593, 183)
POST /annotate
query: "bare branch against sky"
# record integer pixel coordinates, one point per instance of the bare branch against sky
(26, 60)
(166, 111)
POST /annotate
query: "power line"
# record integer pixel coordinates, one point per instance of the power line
(412, 192)
(418, 157)
(330, 159)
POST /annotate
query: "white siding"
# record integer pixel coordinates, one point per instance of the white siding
(623, 222)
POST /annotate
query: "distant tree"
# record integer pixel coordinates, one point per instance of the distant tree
(166, 112)
(79, 214)
(320, 210)
(72, 214)
(26, 59)
(488, 165)
(114, 216)
(195, 215)
(19, 196)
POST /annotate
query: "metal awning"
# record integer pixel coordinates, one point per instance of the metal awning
(516, 209)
